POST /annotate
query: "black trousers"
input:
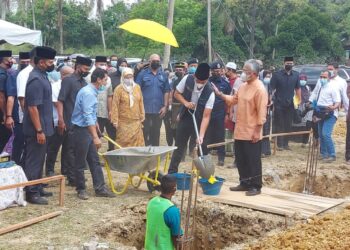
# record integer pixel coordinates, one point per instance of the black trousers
(54, 143)
(151, 129)
(85, 150)
(34, 163)
(103, 124)
(68, 155)
(170, 133)
(18, 145)
(283, 118)
(5, 135)
(347, 145)
(216, 134)
(185, 129)
(265, 143)
(248, 159)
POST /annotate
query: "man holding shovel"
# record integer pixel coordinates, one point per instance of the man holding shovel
(196, 95)
(251, 99)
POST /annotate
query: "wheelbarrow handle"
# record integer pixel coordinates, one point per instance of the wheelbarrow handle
(111, 141)
(196, 130)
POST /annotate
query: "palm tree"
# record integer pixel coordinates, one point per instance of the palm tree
(99, 13)
(4, 6)
(60, 24)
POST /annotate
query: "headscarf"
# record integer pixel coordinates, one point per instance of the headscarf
(130, 88)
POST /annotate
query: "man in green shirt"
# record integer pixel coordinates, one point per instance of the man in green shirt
(163, 218)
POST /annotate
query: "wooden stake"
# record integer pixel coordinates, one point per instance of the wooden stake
(29, 222)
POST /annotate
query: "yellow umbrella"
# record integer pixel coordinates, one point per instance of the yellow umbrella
(151, 30)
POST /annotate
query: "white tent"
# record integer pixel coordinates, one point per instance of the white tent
(16, 35)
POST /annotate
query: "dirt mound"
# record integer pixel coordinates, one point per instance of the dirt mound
(331, 231)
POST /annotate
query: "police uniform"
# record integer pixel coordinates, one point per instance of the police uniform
(4, 132)
(216, 129)
(38, 94)
(203, 99)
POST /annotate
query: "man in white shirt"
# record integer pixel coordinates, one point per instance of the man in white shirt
(196, 95)
(326, 101)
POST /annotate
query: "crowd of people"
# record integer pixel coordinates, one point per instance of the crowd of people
(48, 107)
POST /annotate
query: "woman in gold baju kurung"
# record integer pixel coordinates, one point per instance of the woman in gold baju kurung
(128, 112)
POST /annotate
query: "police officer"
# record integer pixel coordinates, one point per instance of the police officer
(195, 94)
(216, 130)
(5, 64)
(70, 87)
(37, 121)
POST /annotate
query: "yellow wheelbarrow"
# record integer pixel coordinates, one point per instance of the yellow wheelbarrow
(136, 162)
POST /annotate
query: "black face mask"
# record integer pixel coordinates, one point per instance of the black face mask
(50, 68)
(216, 76)
(155, 65)
(84, 74)
(23, 66)
(179, 74)
(288, 67)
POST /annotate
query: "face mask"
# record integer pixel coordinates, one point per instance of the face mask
(267, 81)
(103, 67)
(302, 82)
(331, 73)
(121, 68)
(128, 82)
(244, 77)
(215, 75)
(155, 65)
(101, 88)
(178, 74)
(114, 64)
(288, 67)
(192, 70)
(69, 64)
(84, 74)
(54, 75)
(14, 66)
(22, 66)
(50, 68)
(200, 85)
(323, 81)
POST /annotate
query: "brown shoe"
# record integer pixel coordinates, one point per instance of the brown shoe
(238, 188)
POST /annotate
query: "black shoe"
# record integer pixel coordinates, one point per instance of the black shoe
(238, 188)
(83, 195)
(44, 193)
(38, 200)
(252, 192)
(105, 193)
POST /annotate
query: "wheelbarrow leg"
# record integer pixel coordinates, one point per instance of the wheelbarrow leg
(111, 184)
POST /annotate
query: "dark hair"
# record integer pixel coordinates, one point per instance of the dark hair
(113, 56)
(265, 72)
(98, 73)
(334, 64)
(168, 182)
(121, 60)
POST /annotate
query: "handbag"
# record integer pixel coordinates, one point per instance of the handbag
(321, 113)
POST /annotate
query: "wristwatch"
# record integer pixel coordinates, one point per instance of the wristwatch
(39, 131)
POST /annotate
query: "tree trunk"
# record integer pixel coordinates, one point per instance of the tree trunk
(60, 24)
(33, 14)
(209, 31)
(171, 6)
(3, 6)
(252, 34)
(102, 35)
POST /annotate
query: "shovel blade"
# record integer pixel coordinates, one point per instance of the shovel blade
(205, 166)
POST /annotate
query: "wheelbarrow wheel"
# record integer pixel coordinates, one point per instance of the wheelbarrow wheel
(152, 175)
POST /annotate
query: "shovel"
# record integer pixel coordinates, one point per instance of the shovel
(203, 163)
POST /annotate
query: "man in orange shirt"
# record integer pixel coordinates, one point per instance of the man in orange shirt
(251, 99)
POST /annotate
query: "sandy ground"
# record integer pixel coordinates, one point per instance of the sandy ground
(119, 222)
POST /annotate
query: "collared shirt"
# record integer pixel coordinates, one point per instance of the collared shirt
(22, 79)
(11, 90)
(326, 95)
(341, 85)
(153, 88)
(70, 87)
(219, 105)
(251, 100)
(85, 108)
(38, 93)
(285, 85)
(102, 110)
(56, 87)
(3, 79)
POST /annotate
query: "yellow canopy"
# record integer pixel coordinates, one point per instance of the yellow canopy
(151, 30)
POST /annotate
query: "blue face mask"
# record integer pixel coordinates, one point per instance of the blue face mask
(54, 75)
(323, 82)
(101, 88)
(121, 68)
(303, 82)
(192, 70)
(267, 81)
(114, 64)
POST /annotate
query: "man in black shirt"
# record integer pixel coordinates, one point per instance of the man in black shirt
(285, 83)
(66, 100)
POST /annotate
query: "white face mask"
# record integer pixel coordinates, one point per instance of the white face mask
(244, 77)
(103, 67)
(128, 82)
(200, 85)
